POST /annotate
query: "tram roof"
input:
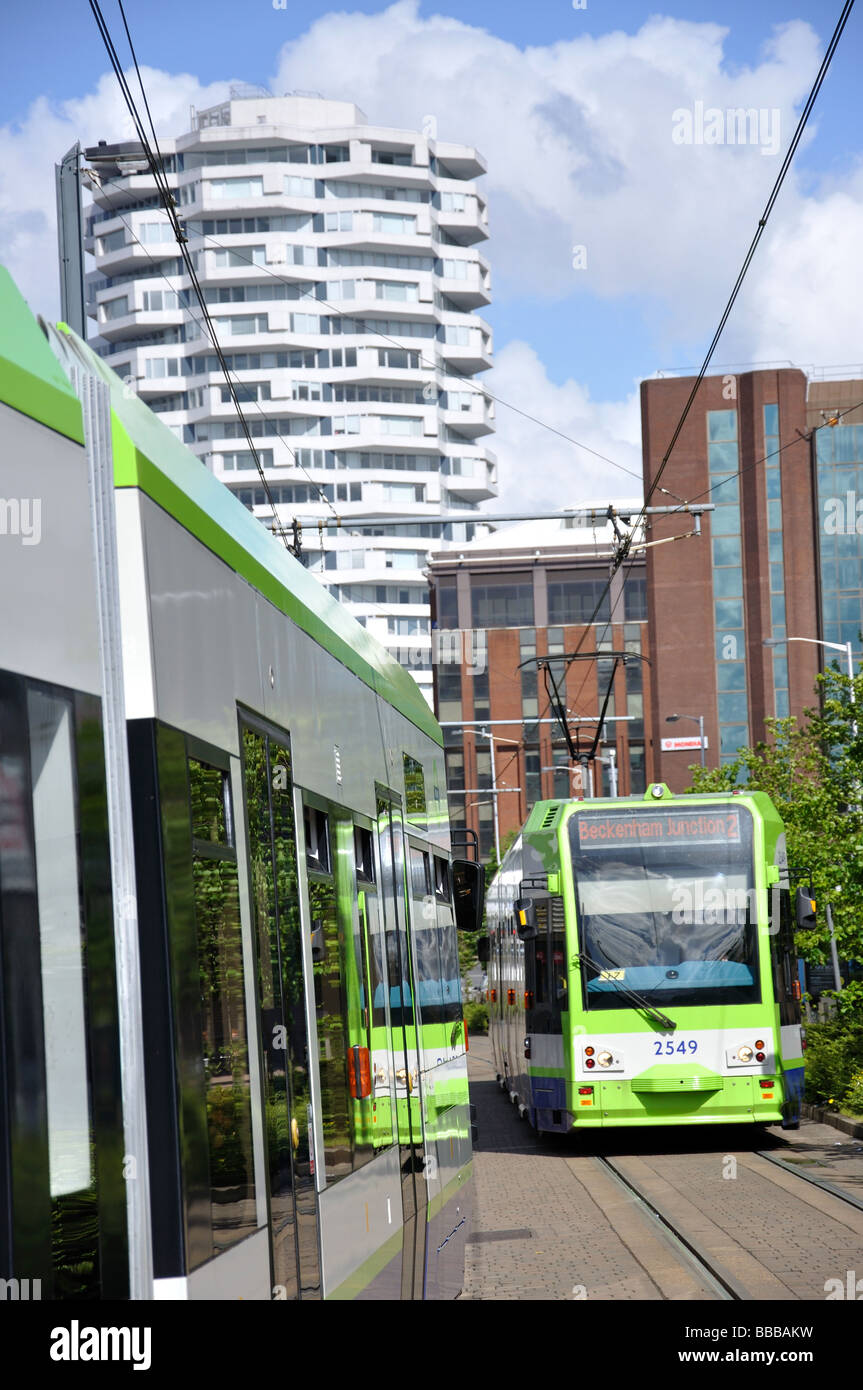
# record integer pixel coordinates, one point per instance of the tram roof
(31, 378)
(147, 455)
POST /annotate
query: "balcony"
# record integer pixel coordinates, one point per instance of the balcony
(468, 351)
(471, 291)
(469, 412)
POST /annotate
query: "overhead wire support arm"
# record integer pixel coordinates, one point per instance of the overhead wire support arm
(585, 515)
(558, 705)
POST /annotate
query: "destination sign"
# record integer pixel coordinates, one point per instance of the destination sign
(670, 827)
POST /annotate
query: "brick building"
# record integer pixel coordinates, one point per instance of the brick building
(780, 557)
(528, 591)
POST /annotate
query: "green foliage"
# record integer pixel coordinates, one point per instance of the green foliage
(834, 1053)
(814, 774)
(476, 1018)
(467, 951)
(852, 1101)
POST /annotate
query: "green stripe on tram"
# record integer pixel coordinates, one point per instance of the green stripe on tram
(31, 378)
(147, 455)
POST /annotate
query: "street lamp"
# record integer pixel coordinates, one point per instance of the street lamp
(495, 790)
(699, 720)
(835, 646)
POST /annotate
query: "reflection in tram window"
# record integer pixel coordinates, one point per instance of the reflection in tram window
(331, 1008)
(223, 1012)
(276, 916)
(415, 793)
(74, 1216)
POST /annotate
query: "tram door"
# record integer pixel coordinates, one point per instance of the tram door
(406, 1043)
(282, 1005)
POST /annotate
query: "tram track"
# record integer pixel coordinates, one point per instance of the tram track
(668, 1216)
(720, 1281)
(762, 1235)
(825, 1186)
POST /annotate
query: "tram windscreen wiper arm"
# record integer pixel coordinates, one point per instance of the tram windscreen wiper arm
(638, 1000)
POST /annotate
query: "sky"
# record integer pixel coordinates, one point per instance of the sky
(618, 217)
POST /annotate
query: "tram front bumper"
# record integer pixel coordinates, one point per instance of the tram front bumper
(677, 1100)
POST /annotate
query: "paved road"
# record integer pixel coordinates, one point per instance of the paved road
(552, 1223)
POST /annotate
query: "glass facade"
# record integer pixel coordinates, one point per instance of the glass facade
(727, 572)
(839, 456)
(773, 494)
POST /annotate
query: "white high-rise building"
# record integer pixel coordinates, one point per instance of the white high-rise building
(340, 264)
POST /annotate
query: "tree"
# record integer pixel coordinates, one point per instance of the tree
(813, 772)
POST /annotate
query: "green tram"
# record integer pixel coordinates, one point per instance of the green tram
(232, 1055)
(641, 964)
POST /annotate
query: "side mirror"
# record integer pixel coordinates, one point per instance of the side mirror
(468, 893)
(525, 918)
(805, 909)
(483, 950)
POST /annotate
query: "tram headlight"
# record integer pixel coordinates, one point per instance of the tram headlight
(745, 1053)
(605, 1059)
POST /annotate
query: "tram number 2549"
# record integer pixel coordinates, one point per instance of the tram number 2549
(669, 1047)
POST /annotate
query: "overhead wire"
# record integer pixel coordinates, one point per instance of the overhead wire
(759, 232)
(160, 178)
(478, 389)
(187, 308)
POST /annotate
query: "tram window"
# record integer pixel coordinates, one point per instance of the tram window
(72, 1187)
(449, 970)
(441, 878)
(282, 1001)
(364, 853)
(415, 792)
(317, 840)
(420, 884)
(224, 1040)
(331, 1008)
(541, 975)
(211, 804)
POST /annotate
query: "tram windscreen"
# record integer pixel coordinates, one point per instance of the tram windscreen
(666, 904)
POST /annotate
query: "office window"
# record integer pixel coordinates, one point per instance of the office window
(501, 601)
(573, 600)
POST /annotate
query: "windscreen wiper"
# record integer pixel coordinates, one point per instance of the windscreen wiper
(637, 1000)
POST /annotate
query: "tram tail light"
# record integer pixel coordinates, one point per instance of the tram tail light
(466, 1042)
(767, 1085)
(585, 1090)
(528, 999)
(510, 996)
(527, 1047)
(360, 1072)
(493, 996)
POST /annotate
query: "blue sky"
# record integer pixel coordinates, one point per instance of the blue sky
(573, 110)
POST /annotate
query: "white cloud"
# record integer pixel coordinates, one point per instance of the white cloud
(807, 305)
(539, 469)
(578, 139)
(29, 151)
